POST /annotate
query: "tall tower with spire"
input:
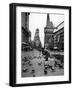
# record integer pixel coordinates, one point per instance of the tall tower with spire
(37, 42)
(48, 31)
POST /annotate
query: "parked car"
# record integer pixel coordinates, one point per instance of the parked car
(26, 47)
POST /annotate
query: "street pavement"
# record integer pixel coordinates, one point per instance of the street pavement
(36, 67)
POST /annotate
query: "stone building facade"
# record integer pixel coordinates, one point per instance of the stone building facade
(37, 42)
(59, 37)
(54, 36)
(26, 34)
(48, 31)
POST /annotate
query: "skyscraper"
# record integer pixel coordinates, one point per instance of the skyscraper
(48, 31)
(26, 34)
(37, 42)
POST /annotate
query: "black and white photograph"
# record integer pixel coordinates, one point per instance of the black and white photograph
(40, 44)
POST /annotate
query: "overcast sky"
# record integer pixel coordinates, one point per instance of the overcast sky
(37, 20)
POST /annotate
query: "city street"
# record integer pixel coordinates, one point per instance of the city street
(35, 66)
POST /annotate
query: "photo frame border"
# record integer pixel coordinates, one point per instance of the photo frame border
(12, 43)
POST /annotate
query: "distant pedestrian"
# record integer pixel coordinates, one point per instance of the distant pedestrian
(45, 71)
(46, 53)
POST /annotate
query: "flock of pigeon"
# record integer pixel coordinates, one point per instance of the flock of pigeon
(51, 64)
